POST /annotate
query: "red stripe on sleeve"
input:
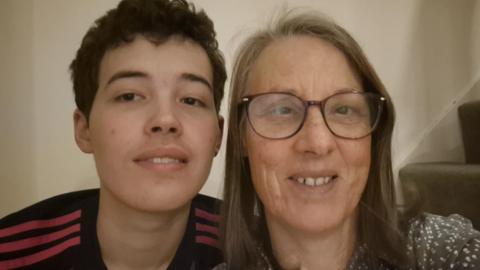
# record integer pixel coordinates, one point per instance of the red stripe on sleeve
(40, 224)
(206, 215)
(203, 240)
(38, 240)
(205, 228)
(39, 256)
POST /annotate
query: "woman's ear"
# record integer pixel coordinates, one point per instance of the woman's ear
(244, 148)
(82, 132)
(243, 139)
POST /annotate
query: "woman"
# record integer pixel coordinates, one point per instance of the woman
(309, 180)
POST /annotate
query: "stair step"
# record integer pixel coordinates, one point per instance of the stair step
(445, 188)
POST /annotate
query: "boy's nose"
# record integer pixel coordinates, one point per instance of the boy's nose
(164, 120)
(160, 129)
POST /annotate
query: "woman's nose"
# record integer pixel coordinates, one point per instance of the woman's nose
(315, 137)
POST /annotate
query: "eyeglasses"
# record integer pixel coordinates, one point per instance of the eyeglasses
(279, 115)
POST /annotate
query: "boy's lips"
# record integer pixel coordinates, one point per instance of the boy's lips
(163, 155)
(165, 160)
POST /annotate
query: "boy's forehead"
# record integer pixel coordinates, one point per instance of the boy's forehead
(173, 55)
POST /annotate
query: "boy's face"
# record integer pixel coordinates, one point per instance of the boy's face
(153, 127)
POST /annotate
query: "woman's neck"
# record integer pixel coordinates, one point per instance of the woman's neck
(294, 249)
(130, 239)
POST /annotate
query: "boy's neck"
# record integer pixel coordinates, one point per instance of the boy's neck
(131, 239)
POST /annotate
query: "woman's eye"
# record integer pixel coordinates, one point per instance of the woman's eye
(282, 110)
(342, 110)
(193, 101)
(128, 97)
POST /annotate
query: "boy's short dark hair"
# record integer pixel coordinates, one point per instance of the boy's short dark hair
(156, 20)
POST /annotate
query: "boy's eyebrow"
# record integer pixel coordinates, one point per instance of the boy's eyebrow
(196, 78)
(126, 74)
(138, 74)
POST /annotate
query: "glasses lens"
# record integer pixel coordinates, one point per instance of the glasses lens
(352, 115)
(275, 115)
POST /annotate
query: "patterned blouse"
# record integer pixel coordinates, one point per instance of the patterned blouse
(436, 243)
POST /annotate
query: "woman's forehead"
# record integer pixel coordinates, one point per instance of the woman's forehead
(301, 62)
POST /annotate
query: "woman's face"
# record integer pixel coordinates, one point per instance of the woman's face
(311, 182)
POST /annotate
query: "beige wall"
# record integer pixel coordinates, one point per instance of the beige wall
(442, 66)
(17, 162)
(58, 29)
(426, 52)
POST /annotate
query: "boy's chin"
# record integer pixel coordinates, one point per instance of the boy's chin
(155, 200)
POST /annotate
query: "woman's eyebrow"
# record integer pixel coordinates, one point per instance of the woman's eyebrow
(276, 89)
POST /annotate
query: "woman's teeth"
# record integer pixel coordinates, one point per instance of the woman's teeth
(314, 181)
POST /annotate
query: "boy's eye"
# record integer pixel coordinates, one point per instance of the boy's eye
(128, 97)
(193, 101)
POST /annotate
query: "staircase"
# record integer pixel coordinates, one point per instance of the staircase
(446, 188)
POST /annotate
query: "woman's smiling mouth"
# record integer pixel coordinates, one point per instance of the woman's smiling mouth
(313, 181)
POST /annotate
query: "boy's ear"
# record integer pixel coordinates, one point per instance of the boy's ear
(82, 132)
(221, 121)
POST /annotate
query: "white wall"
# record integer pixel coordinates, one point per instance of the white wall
(426, 51)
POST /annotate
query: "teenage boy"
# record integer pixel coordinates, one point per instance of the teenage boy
(148, 82)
